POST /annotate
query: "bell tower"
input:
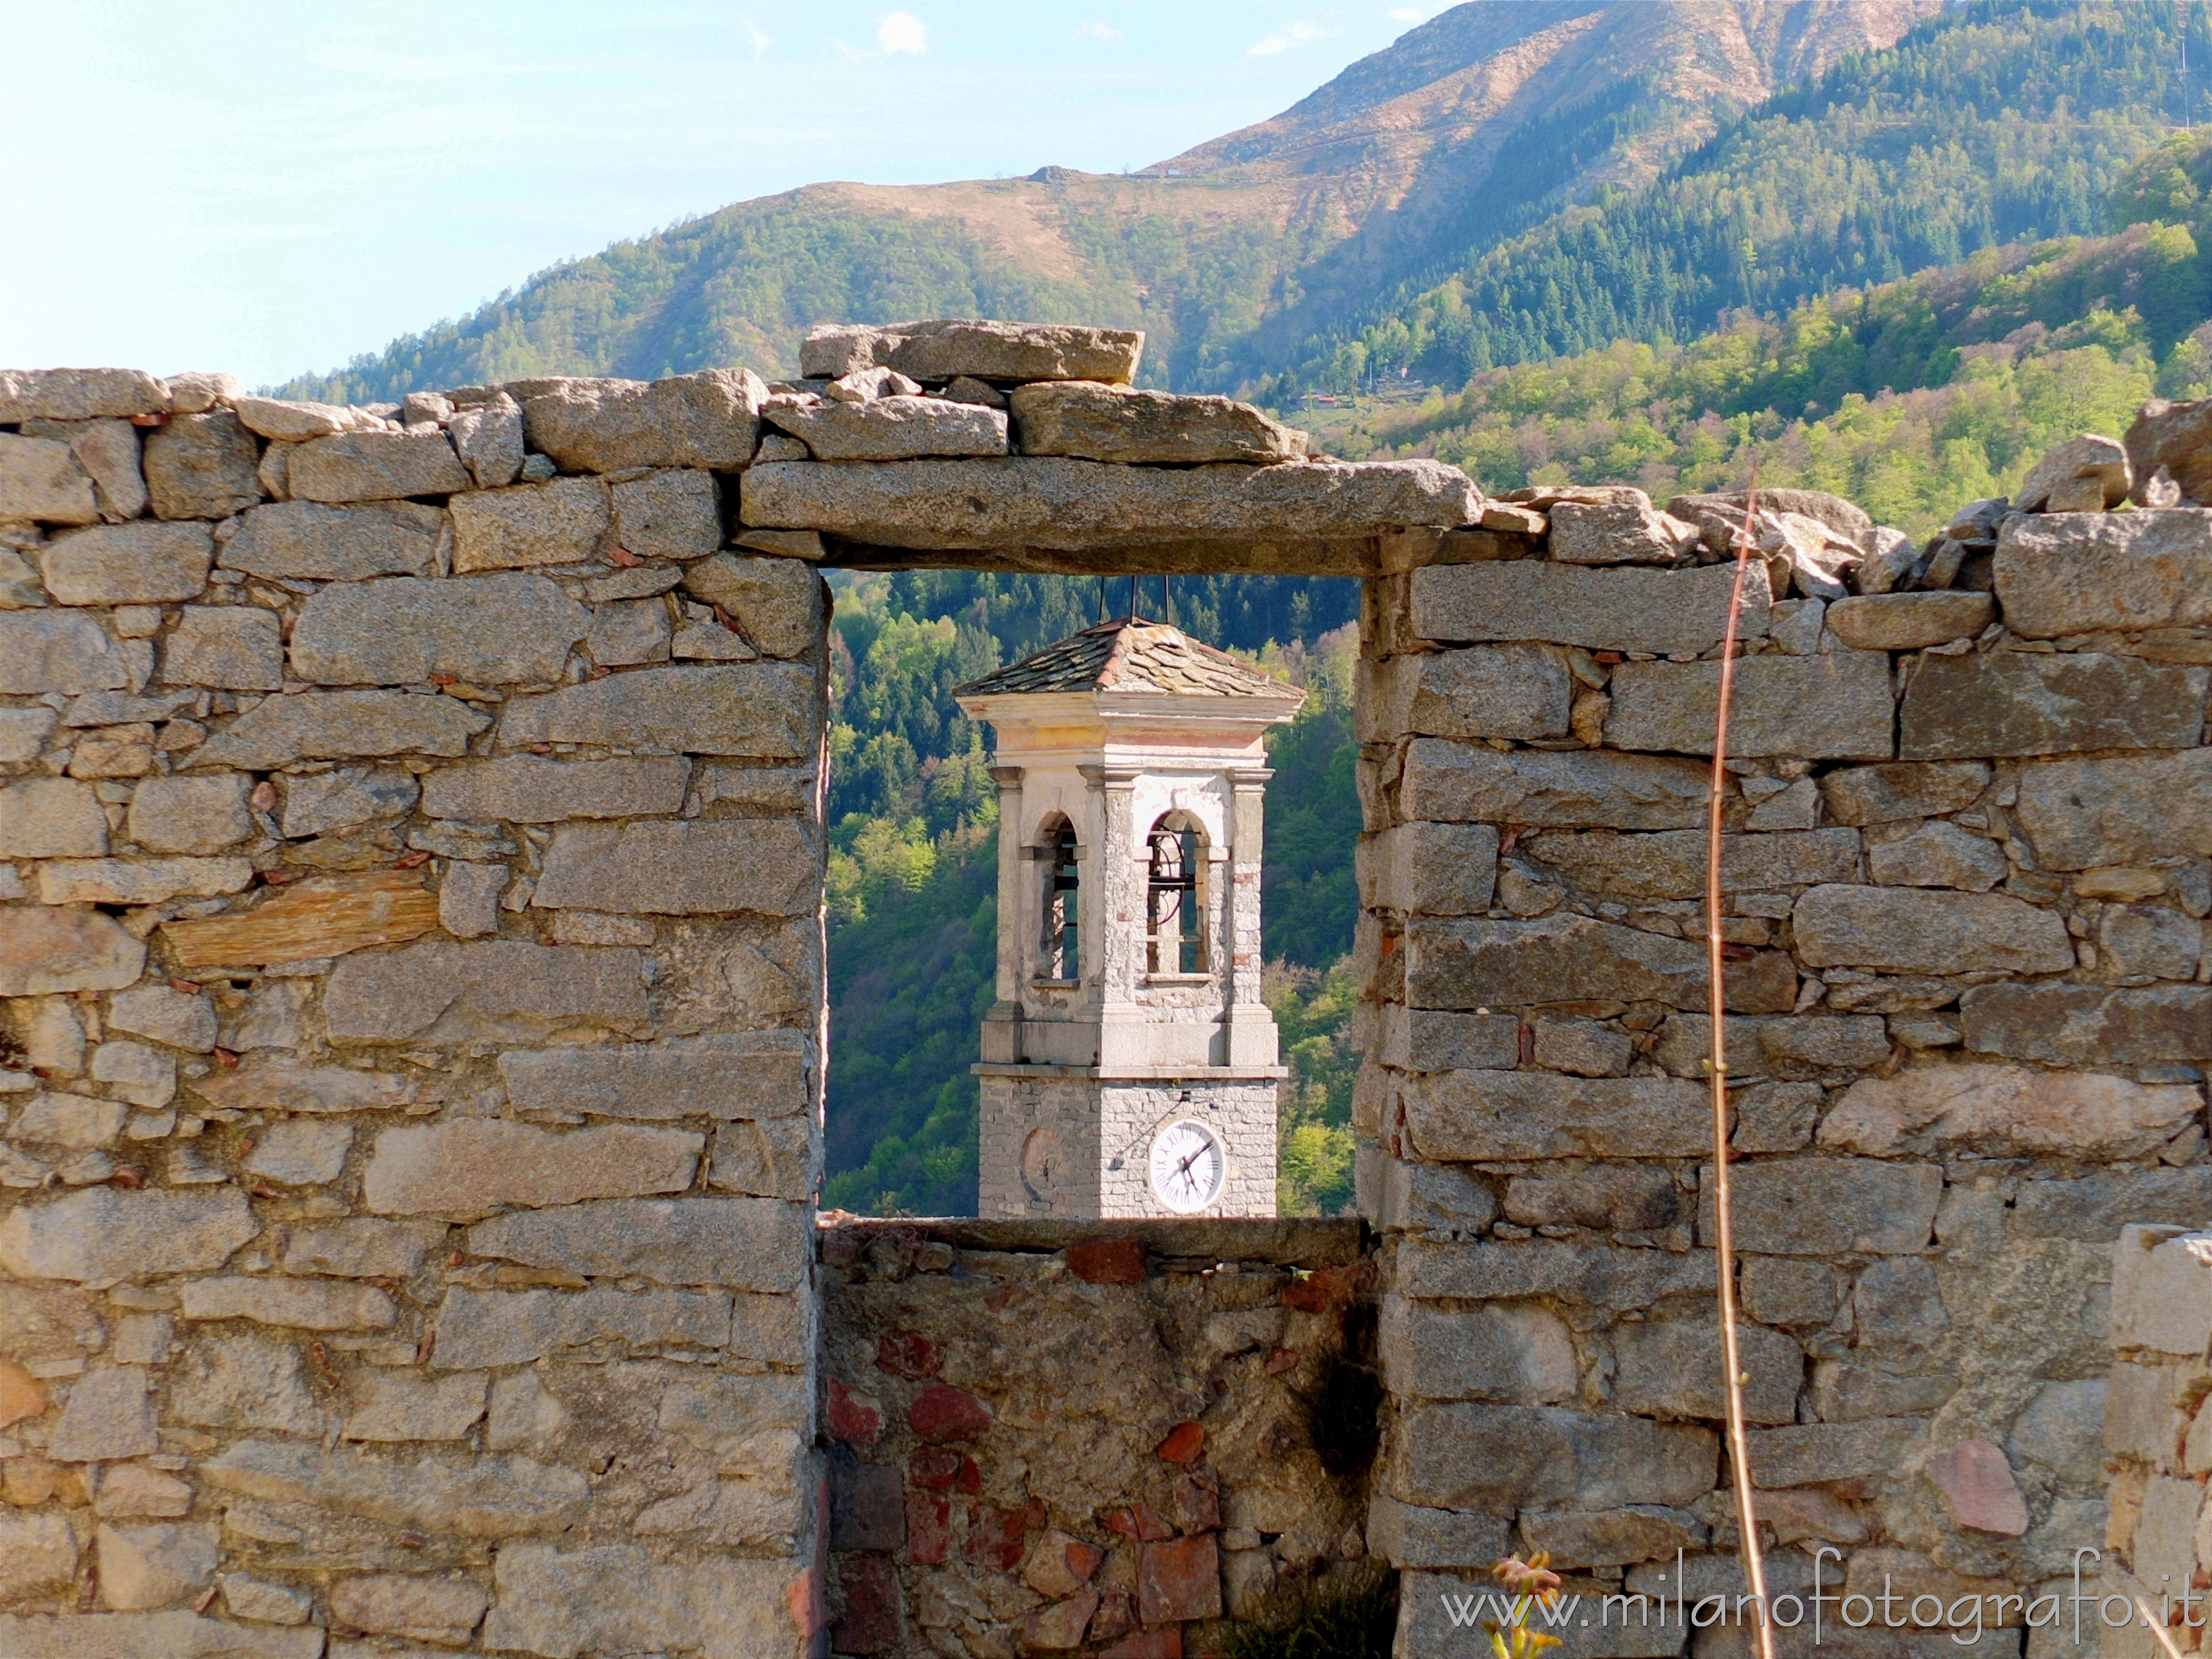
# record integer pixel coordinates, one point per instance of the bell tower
(1129, 1067)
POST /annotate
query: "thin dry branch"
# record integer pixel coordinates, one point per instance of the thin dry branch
(1755, 1566)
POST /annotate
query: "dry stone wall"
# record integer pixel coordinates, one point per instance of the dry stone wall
(411, 936)
(1965, 880)
(1063, 1435)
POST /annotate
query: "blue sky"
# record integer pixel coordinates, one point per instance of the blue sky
(269, 188)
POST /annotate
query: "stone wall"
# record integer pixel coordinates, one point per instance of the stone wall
(409, 1119)
(1964, 878)
(1058, 1434)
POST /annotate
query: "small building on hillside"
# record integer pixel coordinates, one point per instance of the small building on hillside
(1129, 1068)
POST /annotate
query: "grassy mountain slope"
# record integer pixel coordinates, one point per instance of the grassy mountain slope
(1465, 125)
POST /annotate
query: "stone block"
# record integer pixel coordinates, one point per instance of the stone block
(2017, 703)
(202, 466)
(1671, 864)
(190, 815)
(1438, 1197)
(488, 439)
(684, 867)
(321, 916)
(1912, 930)
(77, 1122)
(23, 732)
(2162, 1290)
(1435, 869)
(490, 990)
(360, 1247)
(1469, 1116)
(236, 1379)
(565, 521)
(710, 420)
(1638, 1532)
(1672, 1367)
(142, 1567)
(1783, 1290)
(1437, 1040)
(108, 1417)
(375, 466)
(140, 563)
(1909, 622)
(1600, 1275)
(296, 1154)
(2085, 814)
(109, 450)
(493, 1498)
(178, 1635)
(1587, 1047)
(1617, 609)
(384, 1405)
(1782, 1047)
(469, 896)
(1938, 854)
(236, 648)
(1806, 1453)
(777, 603)
(1521, 1354)
(616, 1598)
(308, 541)
(469, 1165)
(38, 1555)
(1831, 706)
(51, 818)
(2064, 1025)
(1829, 1207)
(1478, 1455)
(770, 1158)
(675, 514)
(41, 481)
(1482, 691)
(1472, 963)
(1632, 1197)
(2077, 572)
(340, 725)
(1457, 782)
(527, 789)
(59, 651)
(44, 951)
(478, 1329)
(101, 1236)
(737, 1244)
(893, 428)
(283, 1082)
(78, 394)
(1617, 531)
(1408, 1535)
(416, 1606)
(303, 1304)
(320, 803)
(1051, 502)
(178, 1019)
(2007, 1111)
(291, 421)
(1101, 423)
(769, 710)
(490, 630)
(983, 350)
(265, 1603)
(759, 1075)
(139, 881)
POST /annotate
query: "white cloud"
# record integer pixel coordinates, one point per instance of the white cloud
(1282, 39)
(902, 31)
(755, 41)
(1407, 14)
(1097, 32)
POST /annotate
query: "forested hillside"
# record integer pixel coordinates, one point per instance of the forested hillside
(1994, 125)
(913, 865)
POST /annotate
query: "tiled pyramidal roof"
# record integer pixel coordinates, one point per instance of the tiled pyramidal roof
(1129, 654)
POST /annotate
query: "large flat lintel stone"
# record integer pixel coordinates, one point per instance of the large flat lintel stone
(1131, 555)
(1024, 500)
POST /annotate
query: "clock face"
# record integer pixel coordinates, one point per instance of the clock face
(1188, 1166)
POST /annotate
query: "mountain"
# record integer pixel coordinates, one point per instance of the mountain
(1228, 254)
